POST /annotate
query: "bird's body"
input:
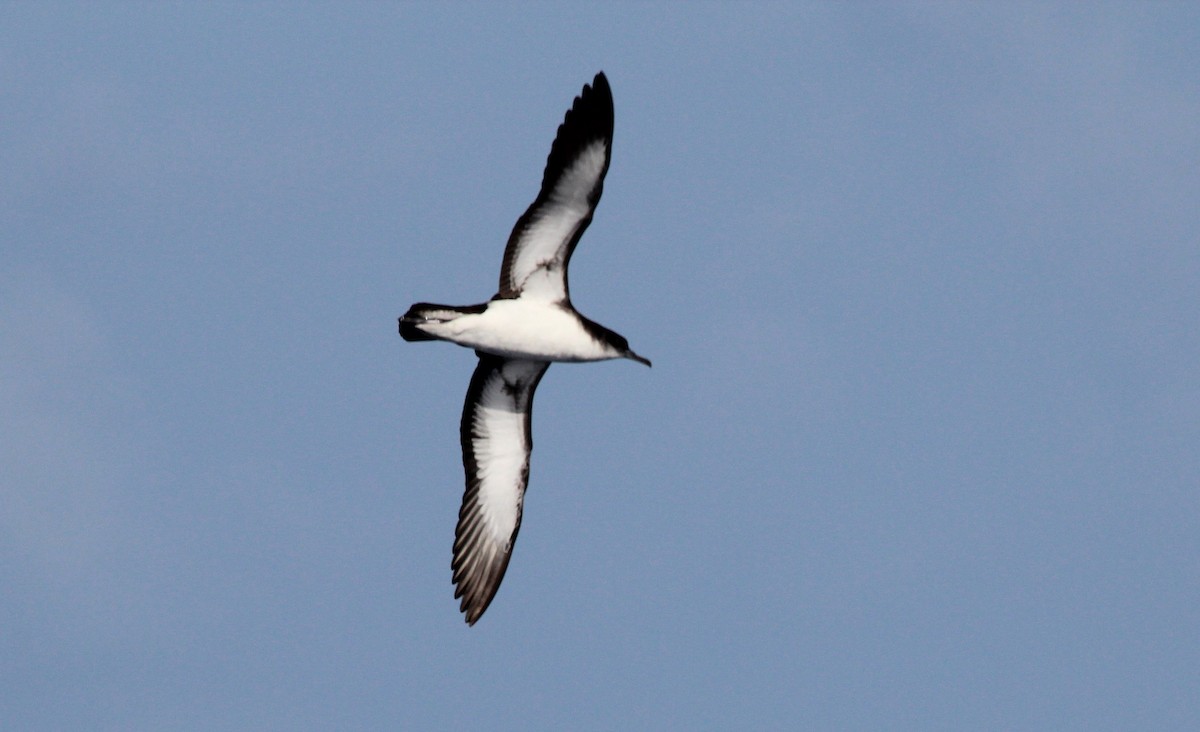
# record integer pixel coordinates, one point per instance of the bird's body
(518, 328)
(517, 334)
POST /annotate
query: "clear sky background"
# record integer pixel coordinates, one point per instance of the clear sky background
(920, 448)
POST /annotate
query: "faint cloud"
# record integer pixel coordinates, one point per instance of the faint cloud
(61, 459)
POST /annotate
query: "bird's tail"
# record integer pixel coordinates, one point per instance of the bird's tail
(424, 313)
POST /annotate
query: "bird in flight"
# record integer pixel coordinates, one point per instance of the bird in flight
(527, 325)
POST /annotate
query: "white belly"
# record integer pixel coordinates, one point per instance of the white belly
(524, 329)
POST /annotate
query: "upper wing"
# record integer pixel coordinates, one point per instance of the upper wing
(541, 243)
(496, 441)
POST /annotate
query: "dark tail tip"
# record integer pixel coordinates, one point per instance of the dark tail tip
(410, 332)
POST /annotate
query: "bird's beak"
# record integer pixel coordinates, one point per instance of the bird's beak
(634, 357)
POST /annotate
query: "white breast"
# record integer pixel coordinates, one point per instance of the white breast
(528, 329)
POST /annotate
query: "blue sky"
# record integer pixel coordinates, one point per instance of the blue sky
(918, 450)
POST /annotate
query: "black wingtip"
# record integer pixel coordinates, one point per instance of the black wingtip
(477, 598)
(591, 114)
(600, 92)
